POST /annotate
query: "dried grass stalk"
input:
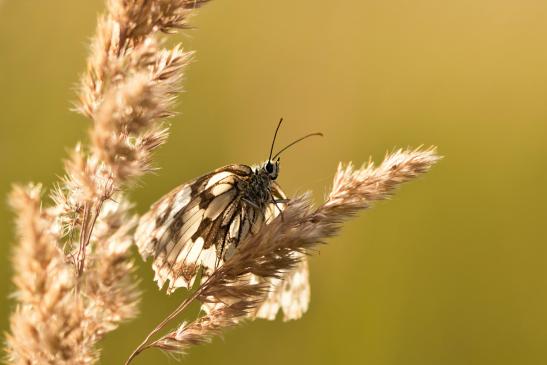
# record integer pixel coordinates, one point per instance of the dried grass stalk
(73, 269)
(46, 327)
(232, 293)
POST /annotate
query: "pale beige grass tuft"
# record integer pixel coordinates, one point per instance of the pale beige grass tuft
(74, 273)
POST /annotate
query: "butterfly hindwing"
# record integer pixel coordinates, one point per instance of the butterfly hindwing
(290, 294)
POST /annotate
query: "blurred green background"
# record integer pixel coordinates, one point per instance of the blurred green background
(450, 271)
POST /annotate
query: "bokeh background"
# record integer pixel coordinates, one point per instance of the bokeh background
(452, 270)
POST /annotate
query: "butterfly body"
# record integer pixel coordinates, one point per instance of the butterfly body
(257, 188)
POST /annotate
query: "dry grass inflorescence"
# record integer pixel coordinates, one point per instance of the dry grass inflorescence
(74, 272)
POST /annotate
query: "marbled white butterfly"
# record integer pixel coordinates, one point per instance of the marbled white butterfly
(199, 225)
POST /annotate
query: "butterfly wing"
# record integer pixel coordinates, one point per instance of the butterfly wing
(290, 293)
(193, 226)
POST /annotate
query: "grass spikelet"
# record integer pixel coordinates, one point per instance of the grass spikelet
(73, 269)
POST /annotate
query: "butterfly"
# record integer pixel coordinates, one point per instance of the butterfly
(199, 225)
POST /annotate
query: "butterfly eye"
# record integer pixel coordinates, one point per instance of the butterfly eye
(269, 167)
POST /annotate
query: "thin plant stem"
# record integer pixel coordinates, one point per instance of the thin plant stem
(143, 346)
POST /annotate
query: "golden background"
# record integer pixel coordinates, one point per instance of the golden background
(450, 271)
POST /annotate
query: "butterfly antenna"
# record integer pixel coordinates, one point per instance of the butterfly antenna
(295, 142)
(275, 136)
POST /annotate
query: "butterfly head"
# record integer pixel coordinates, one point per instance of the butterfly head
(271, 168)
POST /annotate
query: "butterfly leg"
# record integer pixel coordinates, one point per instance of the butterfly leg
(251, 203)
(282, 201)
